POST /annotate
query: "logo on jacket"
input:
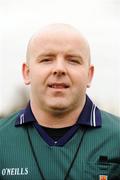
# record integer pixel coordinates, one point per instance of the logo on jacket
(103, 177)
(14, 171)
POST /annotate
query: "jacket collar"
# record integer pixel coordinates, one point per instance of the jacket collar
(90, 115)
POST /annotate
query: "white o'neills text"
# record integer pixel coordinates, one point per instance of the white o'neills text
(14, 171)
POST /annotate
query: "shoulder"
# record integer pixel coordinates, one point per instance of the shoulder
(111, 117)
(110, 122)
(8, 122)
(8, 131)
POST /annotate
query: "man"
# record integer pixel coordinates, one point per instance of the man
(61, 134)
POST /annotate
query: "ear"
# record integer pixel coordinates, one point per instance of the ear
(90, 75)
(25, 72)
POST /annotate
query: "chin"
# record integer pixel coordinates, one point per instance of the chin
(59, 108)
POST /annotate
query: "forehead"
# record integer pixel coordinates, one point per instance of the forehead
(63, 40)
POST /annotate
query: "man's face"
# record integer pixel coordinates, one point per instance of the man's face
(58, 71)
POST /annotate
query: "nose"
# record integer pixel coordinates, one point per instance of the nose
(59, 68)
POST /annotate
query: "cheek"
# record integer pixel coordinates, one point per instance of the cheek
(80, 77)
(39, 73)
(35, 78)
(38, 81)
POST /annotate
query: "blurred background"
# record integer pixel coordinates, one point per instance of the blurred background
(98, 20)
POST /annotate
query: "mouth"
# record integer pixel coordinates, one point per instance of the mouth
(58, 85)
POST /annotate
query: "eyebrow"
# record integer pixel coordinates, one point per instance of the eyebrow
(74, 56)
(45, 54)
(67, 54)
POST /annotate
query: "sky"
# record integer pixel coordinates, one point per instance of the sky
(98, 20)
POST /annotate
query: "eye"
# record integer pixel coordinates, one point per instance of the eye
(74, 61)
(45, 60)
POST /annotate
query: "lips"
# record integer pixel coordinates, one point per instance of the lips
(58, 85)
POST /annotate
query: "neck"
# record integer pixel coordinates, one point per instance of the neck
(56, 119)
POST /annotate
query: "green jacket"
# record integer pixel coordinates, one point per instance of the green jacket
(99, 152)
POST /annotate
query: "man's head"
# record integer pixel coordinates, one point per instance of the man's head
(51, 31)
(58, 68)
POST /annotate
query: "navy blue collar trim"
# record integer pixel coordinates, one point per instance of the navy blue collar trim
(68, 135)
(90, 115)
